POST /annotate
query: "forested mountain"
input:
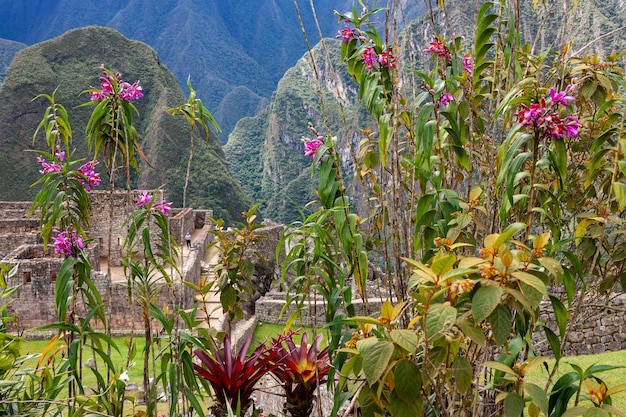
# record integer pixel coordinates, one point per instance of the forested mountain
(234, 51)
(70, 64)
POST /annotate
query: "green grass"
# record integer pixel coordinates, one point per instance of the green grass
(611, 378)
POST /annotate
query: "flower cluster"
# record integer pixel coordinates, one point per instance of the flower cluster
(48, 167)
(543, 116)
(92, 178)
(311, 146)
(468, 64)
(112, 85)
(346, 34)
(437, 47)
(145, 201)
(68, 242)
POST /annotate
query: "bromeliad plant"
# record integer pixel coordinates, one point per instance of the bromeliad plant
(301, 369)
(233, 375)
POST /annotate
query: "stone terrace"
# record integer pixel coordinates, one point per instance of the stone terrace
(33, 303)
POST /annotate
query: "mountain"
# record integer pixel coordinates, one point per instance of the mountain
(235, 52)
(8, 49)
(70, 63)
(266, 151)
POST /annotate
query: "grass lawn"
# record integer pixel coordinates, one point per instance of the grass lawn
(611, 378)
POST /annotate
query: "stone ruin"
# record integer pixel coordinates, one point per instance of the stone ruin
(21, 244)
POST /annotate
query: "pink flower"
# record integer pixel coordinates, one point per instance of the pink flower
(468, 64)
(438, 48)
(571, 126)
(311, 146)
(47, 167)
(561, 97)
(124, 90)
(386, 59)
(68, 242)
(446, 98)
(92, 178)
(164, 207)
(533, 114)
(144, 198)
(369, 57)
(346, 33)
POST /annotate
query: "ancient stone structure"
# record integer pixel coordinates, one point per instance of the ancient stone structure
(33, 303)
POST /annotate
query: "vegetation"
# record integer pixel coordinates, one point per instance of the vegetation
(492, 176)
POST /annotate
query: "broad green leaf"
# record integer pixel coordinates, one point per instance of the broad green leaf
(408, 380)
(501, 322)
(376, 359)
(472, 331)
(441, 317)
(485, 300)
(513, 405)
(463, 373)
(537, 395)
(406, 339)
(531, 280)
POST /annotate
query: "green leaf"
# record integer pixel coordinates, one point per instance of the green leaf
(376, 356)
(463, 373)
(537, 395)
(472, 331)
(500, 320)
(554, 341)
(228, 297)
(531, 280)
(485, 301)
(508, 233)
(513, 405)
(441, 317)
(408, 380)
(406, 339)
(619, 190)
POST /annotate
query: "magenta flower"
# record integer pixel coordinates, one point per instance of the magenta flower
(311, 146)
(68, 242)
(369, 57)
(346, 33)
(468, 64)
(48, 167)
(164, 207)
(112, 86)
(544, 118)
(446, 98)
(144, 198)
(92, 178)
(561, 97)
(532, 115)
(571, 126)
(386, 59)
(438, 48)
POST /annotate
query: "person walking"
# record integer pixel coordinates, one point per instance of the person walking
(188, 240)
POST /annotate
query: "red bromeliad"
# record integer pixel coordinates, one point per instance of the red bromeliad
(233, 377)
(300, 370)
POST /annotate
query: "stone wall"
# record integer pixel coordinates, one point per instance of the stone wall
(33, 303)
(601, 326)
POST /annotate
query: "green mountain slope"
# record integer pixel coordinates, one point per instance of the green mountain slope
(8, 49)
(70, 63)
(266, 151)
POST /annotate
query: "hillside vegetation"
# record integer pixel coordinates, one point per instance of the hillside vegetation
(70, 64)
